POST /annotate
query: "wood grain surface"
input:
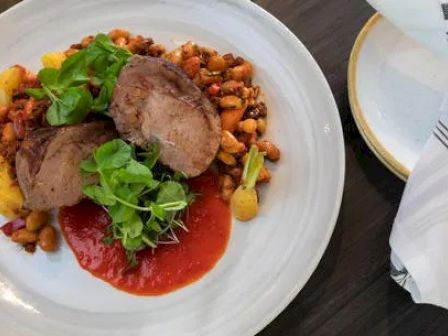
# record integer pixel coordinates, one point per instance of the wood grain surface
(351, 292)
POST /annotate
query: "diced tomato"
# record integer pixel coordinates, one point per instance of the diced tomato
(19, 127)
(14, 225)
(192, 66)
(214, 89)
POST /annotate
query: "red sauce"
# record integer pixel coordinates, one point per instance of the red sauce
(170, 266)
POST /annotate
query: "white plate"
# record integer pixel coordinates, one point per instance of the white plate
(396, 90)
(268, 260)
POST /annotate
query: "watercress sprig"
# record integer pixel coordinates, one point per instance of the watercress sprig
(144, 202)
(100, 64)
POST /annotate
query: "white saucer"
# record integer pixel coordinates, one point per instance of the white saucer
(396, 89)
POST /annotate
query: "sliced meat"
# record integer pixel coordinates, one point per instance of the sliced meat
(47, 163)
(155, 101)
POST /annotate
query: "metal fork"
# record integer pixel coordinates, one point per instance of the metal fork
(441, 133)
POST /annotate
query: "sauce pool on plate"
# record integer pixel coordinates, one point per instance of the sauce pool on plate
(168, 267)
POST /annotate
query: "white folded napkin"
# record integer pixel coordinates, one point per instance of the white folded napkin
(419, 238)
(424, 20)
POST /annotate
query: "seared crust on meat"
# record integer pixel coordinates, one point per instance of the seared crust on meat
(48, 160)
(155, 101)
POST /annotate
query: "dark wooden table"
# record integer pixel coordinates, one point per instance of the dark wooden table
(351, 292)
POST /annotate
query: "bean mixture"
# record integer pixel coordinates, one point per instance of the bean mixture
(227, 81)
(23, 114)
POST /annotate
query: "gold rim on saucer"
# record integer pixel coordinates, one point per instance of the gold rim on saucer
(366, 132)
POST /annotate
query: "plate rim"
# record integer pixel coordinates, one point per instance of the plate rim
(372, 141)
(284, 30)
(337, 130)
(336, 211)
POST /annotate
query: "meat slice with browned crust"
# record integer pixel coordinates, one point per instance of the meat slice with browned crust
(155, 101)
(48, 160)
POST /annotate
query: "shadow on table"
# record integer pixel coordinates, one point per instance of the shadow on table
(401, 315)
(385, 182)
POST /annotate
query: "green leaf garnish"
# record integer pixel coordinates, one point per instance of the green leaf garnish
(171, 192)
(100, 64)
(71, 107)
(113, 154)
(99, 194)
(36, 93)
(49, 78)
(252, 167)
(73, 71)
(144, 201)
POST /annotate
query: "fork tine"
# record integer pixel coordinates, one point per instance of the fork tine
(443, 131)
(440, 122)
(440, 139)
(439, 135)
